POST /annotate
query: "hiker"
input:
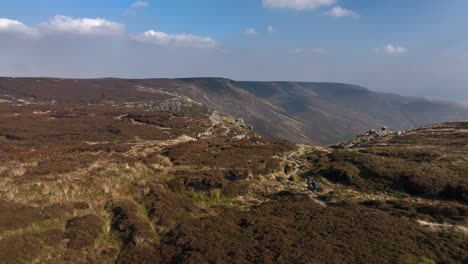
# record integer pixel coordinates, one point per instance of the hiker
(314, 185)
(309, 183)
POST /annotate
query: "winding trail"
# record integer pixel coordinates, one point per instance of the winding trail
(445, 226)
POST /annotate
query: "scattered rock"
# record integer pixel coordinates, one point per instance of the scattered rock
(240, 122)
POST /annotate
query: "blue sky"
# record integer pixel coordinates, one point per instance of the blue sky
(410, 47)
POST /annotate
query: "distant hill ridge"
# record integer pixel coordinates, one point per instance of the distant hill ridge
(305, 112)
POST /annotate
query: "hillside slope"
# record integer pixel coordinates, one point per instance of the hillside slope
(173, 182)
(314, 113)
(323, 113)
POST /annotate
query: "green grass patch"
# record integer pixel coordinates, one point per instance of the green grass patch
(418, 260)
(210, 199)
(34, 228)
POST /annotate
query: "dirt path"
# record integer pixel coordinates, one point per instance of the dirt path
(445, 226)
(292, 157)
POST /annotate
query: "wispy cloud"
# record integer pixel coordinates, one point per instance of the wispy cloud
(297, 4)
(164, 39)
(132, 10)
(251, 31)
(140, 4)
(63, 25)
(391, 49)
(81, 26)
(340, 12)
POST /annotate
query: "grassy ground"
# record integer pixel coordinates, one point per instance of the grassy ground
(80, 184)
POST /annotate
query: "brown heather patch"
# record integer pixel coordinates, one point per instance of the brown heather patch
(80, 185)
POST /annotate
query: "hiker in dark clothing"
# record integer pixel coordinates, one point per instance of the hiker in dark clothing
(309, 183)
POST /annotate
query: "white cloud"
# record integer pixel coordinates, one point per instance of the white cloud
(63, 25)
(140, 4)
(271, 29)
(15, 27)
(82, 26)
(297, 4)
(186, 40)
(251, 31)
(339, 12)
(392, 49)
